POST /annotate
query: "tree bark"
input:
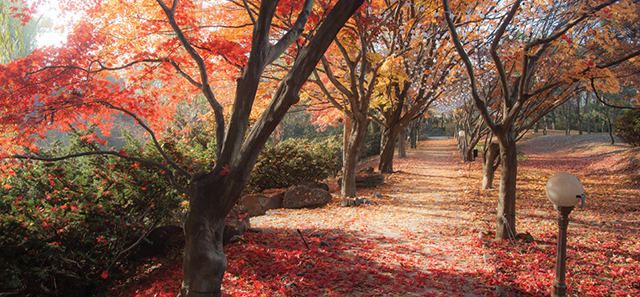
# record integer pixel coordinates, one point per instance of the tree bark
(579, 115)
(413, 134)
(352, 148)
(507, 196)
(402, 143)
(567, 123)
(610, 125)
(388, 146)
(488, 167)
(204, 262)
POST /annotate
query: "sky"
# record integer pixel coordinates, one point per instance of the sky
(51, 10)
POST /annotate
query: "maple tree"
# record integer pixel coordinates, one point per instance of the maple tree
(347, 81)
(535, 62)
(411, 79)
(146, 58)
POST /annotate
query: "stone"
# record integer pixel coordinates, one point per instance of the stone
(368, 170)
(272, 202)
(366, 180)
(258, 204)
(236, 224)
(347, 202)
(314, 184)
(303, 196)
(253, 204)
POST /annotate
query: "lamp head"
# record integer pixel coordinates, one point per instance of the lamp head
(564, 189)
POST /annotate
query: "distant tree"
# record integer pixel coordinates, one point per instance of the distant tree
(19, 31)
(540, 55)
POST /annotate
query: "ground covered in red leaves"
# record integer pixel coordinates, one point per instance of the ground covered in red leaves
(426, 236)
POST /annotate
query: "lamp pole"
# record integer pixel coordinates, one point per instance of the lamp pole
(559, 285)
(564, 190)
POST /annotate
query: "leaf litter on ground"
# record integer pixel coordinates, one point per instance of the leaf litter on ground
(430, 233)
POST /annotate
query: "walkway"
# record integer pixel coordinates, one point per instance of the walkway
(418, 224)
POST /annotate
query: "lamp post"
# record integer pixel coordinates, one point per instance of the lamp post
(564, 190)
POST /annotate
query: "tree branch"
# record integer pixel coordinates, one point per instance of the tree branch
(151, 133)
(482, 108)
(167, 171)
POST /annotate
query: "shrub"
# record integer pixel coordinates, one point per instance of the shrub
(628, 127)
(67, 225)
(293, 161)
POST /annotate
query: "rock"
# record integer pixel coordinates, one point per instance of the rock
(369, 180)
(368, 170)
(273, 201)
(346, 202)
(303, 196)
(258, 204)
(318, 185)
(236, 224)
(253, 205)
(366, 180)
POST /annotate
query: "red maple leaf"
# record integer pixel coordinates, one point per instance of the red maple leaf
(225, 170)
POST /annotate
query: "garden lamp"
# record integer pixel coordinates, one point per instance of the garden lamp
(565, 191)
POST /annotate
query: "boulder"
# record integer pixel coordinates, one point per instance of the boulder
(253, 204)
(318, 185)
(368, 170)
(303, 196)
(273, 201)
(258, 204)
(369, 180)
(236, 224)
(366, 180)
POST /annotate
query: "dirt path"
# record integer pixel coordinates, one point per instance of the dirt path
(422, 238)
(418, 224)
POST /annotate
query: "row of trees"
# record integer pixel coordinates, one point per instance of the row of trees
(251, 61)
(534, 59)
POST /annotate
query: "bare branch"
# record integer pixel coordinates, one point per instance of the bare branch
(151, 133)
(482, 108)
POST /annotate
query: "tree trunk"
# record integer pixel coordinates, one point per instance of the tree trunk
(204, 262)
(413, 135)
(385, 163)
(488, 167)
(346, 134)
(402, 143)
(353, 145)
(579, 115)
(567, 123)
(507, 196)
(610, 125)
(363, 149)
